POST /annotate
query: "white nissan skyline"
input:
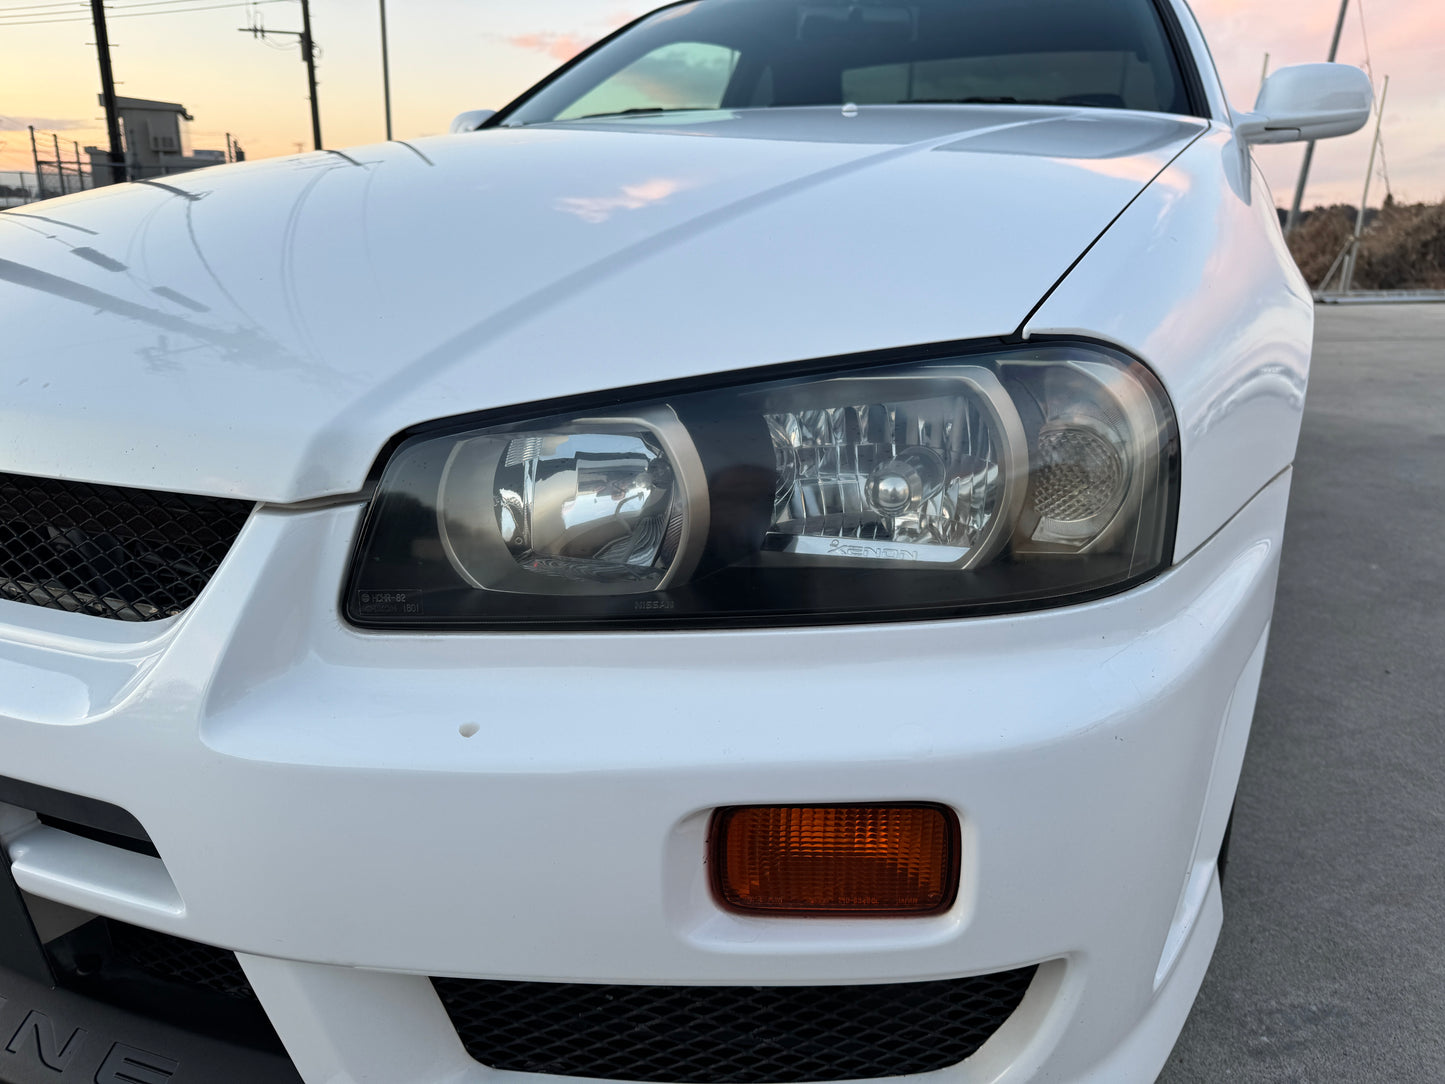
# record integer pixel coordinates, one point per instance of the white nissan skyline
(750, 565)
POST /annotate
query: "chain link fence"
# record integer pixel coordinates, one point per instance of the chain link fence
(59, 167)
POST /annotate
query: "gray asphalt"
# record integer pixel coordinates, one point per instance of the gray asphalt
(1331, 966)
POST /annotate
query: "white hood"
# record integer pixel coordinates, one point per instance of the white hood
(263, 330)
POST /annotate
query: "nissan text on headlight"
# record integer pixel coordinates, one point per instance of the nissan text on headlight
(749, 565)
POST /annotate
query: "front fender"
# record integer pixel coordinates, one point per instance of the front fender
(1195, 279)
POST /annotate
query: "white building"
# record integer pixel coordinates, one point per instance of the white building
(157, 142)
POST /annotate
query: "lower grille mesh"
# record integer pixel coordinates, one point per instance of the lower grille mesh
(176, 960)
(730, 1035)
(125, 554)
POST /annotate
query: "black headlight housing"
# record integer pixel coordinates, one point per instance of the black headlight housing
(925, 484)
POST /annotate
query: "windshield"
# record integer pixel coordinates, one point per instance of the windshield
(758, 54)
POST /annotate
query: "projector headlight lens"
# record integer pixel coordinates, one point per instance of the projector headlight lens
(967, 484)
(595, 506)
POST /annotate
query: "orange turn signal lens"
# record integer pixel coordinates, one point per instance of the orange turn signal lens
(836, 860)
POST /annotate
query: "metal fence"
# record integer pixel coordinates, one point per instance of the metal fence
(17, 187)
(60, 167)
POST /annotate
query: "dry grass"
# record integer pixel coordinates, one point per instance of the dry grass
(1403, 247)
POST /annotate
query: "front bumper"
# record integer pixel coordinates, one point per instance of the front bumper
(316, 808)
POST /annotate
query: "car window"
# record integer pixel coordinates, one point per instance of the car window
(1106, 79)
(685, 75)
(749, 54)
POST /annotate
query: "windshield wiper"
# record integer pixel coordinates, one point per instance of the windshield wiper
(646, 109)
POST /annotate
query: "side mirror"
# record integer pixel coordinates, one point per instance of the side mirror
(1309, 101)
(471, 120)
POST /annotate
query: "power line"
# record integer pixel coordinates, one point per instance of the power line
(1365, 35)
(155, 3)
(33, 7)
(7, 20)
(38, 10)
(1370, 67)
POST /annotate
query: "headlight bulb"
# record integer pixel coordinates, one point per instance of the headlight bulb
(904, 483)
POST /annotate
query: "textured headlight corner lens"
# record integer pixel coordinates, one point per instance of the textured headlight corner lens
(977, 483)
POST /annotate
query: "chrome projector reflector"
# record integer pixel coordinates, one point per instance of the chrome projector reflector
(916, 478)
(600, 506)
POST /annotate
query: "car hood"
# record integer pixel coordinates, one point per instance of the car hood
(263, 330)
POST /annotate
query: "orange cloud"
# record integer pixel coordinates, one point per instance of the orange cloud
(561, 47)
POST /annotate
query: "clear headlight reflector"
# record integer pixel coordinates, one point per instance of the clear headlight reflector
(933, 477)
(982, 482)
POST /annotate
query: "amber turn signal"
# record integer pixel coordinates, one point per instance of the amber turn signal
(836, 860)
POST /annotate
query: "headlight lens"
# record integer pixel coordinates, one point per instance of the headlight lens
(589, 507)
(913, 470)
(980, 482)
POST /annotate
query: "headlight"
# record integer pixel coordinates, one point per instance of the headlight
(1008, 479)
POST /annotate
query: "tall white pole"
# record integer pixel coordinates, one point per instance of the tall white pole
(1348, 278)
(385, 71)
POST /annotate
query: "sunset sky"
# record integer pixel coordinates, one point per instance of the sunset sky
(451, 55)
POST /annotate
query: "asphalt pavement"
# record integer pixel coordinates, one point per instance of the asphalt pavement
(1331, 966)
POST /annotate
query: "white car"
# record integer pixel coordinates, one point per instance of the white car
(751, 567)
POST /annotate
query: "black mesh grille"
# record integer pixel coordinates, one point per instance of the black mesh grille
(127, 554)
(730, 1035)
(196, 988)
(176, 960)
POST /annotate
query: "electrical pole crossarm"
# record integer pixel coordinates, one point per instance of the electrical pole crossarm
(308, 54)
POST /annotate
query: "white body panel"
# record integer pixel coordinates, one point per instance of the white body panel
(322, 304)
(325, 801)
(1195, 278)
(318, 804)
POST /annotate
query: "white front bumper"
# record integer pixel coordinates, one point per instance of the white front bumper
(317, 809)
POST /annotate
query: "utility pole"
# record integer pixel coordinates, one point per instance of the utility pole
(107, 94)
(308, 54)
(1304, 173)
(308, 49)
(385, 72)
(35, 154)
(1347, 277)
(59, 165)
